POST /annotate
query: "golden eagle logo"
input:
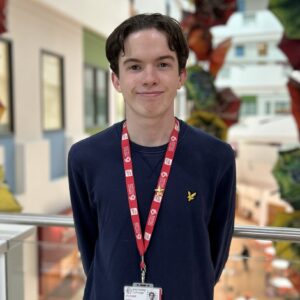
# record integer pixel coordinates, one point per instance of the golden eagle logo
(191, 196)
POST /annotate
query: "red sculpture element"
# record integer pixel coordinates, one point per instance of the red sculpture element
(294, 89)
(217, 57)
(2, 16)
(211, 13)
(291, 48)
(200, 41)
(228, 106)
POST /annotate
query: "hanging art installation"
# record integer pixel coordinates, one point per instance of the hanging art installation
(214, 110)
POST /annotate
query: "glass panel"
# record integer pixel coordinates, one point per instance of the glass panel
(241, 5)
(282, 107)
(46, 266)
(249, 17)
(61, 275)
(101, 94)
(268, 108)
(96, 99)
(262, 273)
(5, 118)
(52, 92)
(89, 97)
(249, 106)
(43, 266)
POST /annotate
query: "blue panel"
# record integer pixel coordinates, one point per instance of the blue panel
(241, 5)
(8, 144)
(57, 153)
(239, 51)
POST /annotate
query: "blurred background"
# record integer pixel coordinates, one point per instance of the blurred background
(243, 87)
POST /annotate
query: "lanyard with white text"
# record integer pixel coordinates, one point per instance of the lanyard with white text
(143, 243)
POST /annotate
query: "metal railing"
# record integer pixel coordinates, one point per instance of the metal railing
(253, 232)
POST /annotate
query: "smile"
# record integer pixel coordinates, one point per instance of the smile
(150, 94)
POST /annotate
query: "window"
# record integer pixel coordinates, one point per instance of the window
(262, 49)
(268, 108)
(282, 107)
(96, 98)
(52, 92)
(239, 50)
(248, 17)
(241, 5)
(5, 89)
(249, 106)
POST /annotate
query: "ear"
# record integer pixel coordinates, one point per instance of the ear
(116, 82)
(182, 78)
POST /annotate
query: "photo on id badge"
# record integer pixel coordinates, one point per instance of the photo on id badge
(141, 293)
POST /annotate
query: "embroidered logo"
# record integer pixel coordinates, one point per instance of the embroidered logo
(191, 196)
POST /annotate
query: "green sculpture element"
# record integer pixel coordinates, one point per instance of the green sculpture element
(287, 174)
(200, 88)
(210, 123)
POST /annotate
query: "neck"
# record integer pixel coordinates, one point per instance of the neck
(149, 132)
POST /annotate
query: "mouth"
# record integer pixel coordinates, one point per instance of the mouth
(150, 93)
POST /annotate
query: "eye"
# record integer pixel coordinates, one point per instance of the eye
(135, 67)
(163, 65)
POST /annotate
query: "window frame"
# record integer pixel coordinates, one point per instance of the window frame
(62, 90)
(94, 93)
(11, 126)
(248, 103)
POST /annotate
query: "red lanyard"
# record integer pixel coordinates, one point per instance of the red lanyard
(143, 242)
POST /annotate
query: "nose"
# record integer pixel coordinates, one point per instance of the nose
(150, 77)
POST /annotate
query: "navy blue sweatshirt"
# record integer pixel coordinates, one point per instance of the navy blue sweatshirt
(191, 240)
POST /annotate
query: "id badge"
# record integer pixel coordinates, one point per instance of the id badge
(142, 291)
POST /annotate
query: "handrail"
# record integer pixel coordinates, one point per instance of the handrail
(253, 232)
(37, 219)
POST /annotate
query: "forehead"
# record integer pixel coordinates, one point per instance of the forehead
(147, 42)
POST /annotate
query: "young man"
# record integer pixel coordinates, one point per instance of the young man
(153, 198)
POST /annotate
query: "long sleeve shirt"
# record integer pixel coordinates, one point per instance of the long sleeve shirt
(191, 239)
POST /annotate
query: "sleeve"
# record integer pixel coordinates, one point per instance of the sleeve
(221, 225)
(84, 214)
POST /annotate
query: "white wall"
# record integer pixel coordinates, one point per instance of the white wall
(249, 26)
(267, 82)
(159, 6)
(33, 28)
(251, 74)
(101, 16)
(256, 140)
(256, 77)
(274, 54)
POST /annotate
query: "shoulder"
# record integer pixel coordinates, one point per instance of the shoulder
(201, 144)
(96, 145)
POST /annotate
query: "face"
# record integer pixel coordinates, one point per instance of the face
(151, 296)
(148, 75)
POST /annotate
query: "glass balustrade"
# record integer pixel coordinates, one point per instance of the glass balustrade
(264, 271)
(44, 264)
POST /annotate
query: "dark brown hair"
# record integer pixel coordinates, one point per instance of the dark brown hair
(167, 25)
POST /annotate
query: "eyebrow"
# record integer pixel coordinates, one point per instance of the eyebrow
(136, 60)
(131, 60)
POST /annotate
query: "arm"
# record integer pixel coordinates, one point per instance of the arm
(84, 214)
(221, 223)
